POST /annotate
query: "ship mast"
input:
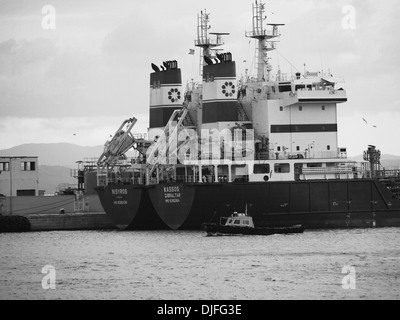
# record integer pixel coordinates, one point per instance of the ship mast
(203, 41)
(263, 37)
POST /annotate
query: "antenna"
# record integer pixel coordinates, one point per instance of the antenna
(263, 37)
(203, 41)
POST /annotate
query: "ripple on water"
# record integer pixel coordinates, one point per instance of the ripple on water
(189, 265)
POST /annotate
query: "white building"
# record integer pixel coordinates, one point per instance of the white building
(19, 176)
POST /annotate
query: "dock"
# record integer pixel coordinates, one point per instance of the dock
(56, 222)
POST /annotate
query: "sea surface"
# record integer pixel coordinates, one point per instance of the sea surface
(171, 265)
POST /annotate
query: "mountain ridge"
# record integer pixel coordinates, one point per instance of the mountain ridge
(55, 154)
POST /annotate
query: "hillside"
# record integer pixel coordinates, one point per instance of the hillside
(388, 161)
(55, 154)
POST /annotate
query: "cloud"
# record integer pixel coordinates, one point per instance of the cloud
(40, 79)
(15, 56)
(97, 62)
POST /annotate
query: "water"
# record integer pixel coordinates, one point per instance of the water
(190, 265)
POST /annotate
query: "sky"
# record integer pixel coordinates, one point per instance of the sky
(74, 71)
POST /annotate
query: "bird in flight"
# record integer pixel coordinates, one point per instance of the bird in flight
(365, 121)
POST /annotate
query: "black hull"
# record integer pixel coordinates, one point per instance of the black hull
(327, 204)
(131, 208)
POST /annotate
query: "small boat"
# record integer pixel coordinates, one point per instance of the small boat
(242, 224)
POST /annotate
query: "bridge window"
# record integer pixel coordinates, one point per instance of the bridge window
(285, 88)
(261, 168)
(282, 168)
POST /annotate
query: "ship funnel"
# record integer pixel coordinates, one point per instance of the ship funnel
(166, 94)
(220, 91)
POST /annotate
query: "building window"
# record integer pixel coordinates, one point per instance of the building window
(28, 166)
(300, 108)
(4, 166)
(328, 148)
(279, 148)
(280, 108)
(21, 193)
(298, 148)
(323, 108)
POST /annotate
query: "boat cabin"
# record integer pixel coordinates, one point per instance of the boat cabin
(238, 220)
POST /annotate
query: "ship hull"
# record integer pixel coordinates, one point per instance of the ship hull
(327, 204)
(130, 208)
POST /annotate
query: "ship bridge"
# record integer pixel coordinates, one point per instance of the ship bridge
(302, 90)
(319, 89)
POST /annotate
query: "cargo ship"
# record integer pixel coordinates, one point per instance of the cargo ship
(268, 143)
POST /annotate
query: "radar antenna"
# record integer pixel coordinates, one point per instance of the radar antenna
(203, 41)
(263, 37)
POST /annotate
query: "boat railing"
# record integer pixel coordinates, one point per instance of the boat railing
(300, 155)
(327, 170)
(379, 174)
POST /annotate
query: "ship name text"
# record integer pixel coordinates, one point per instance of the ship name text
(119, 191)
(172, 194)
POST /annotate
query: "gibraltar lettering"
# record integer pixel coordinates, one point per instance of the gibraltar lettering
(172, 194)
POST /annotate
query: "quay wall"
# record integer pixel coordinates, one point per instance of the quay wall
(70, 221)
(27, 205)
(51, 213)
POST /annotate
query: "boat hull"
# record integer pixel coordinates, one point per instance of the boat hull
(217, 229)
(327, 204)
